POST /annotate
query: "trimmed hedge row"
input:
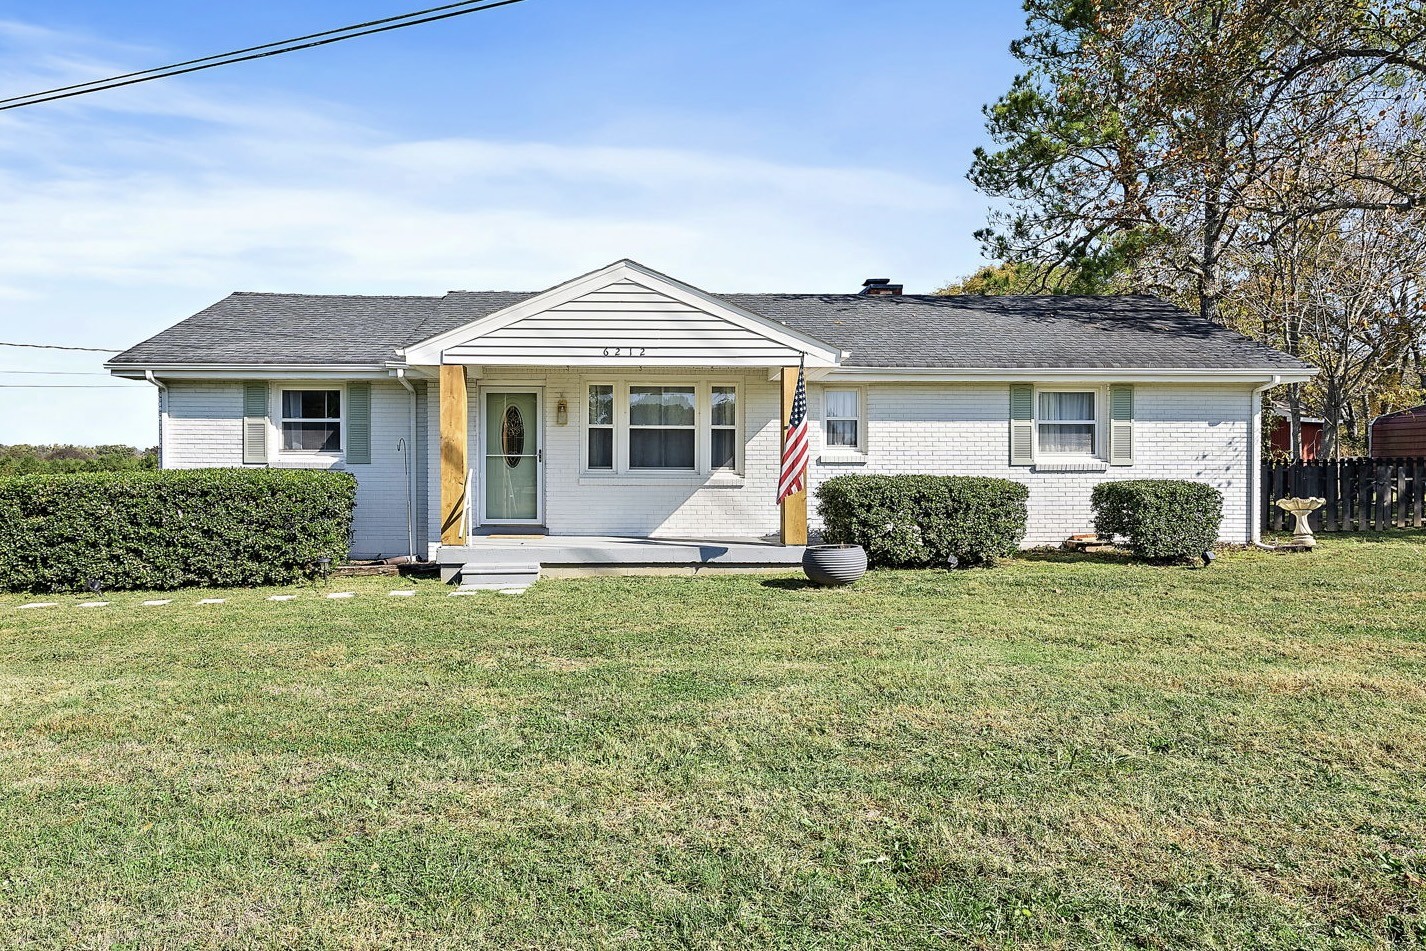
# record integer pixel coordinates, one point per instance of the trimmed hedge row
(918, 520)
(1162, 519)
(164, 530)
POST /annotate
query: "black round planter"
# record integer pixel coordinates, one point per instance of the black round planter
(834, 564)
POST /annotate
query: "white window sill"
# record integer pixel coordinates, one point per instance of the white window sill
(842, 457)
(314, 461)
(1071, 465)
(717, 480)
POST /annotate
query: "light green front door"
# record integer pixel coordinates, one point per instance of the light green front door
(514, 458)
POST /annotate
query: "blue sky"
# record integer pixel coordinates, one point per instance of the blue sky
(794, 145)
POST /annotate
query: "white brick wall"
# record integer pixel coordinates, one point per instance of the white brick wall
(1181, 431)
(381, 486)
(205, 431)
(205, 425)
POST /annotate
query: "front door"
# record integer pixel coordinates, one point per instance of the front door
(513, 465)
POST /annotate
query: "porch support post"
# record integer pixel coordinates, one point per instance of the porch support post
(455, 436)
(794, 507)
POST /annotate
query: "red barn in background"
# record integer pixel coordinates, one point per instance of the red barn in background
(1280, 436)
(1400, 434)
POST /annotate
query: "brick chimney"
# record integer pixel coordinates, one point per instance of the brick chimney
(880, 287)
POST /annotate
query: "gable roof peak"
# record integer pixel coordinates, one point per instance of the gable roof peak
(682, 297)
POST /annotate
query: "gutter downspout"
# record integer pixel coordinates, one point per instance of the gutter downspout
(1255, 463)
(410, 470)
(162, 415)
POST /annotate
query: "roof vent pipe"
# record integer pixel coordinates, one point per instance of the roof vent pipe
(881, 287)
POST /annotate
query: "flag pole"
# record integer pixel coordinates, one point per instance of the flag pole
(792, 473)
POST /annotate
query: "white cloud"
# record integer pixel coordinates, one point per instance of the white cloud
(336, 209)
(120, 204)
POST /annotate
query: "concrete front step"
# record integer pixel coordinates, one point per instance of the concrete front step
(483, 576)
(573, 554)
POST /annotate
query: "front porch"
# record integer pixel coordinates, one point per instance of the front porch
(622, 421)
(584, 555)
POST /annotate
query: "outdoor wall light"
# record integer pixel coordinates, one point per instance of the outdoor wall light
(562, 412)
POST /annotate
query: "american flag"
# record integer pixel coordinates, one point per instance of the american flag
(794, 447)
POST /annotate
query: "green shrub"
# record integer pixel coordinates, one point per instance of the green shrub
(1163, 519)
(917, 520)
(172, 529)
(51, 460)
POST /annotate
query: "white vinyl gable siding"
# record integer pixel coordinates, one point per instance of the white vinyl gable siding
(623, 321)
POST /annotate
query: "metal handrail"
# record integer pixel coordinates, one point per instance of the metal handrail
(467, 522)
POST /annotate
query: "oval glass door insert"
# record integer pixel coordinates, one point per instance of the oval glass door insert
(512, 436)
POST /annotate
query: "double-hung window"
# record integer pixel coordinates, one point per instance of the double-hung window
(312, 421)
(662, 427)
(673, 428)
(1066, 423)
(843, 419)
(723, 430)
(601, 426)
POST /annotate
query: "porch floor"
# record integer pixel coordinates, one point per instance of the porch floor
(601, 554)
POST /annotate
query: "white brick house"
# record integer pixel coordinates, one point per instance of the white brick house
(626, 403)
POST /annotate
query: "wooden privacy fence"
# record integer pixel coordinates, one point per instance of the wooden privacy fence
(1362, 494)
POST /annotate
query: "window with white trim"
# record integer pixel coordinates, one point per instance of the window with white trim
(723, 430)
(600, 438)
(842, 422)
(662, 427)
(311, 421)
(1066, 423)
(673, 428)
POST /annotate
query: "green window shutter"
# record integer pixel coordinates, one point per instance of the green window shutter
(1022, 424)
(254, 424)
(358, 436)
(1121, 425)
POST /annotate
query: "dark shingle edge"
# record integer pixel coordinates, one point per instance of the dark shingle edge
(911, 331)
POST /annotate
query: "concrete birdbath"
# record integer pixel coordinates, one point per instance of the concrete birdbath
(1300, 509)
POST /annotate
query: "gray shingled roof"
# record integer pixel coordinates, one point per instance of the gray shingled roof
(968, 332)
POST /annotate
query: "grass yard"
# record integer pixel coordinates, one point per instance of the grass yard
(1065, 752)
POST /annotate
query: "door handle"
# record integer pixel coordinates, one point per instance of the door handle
(539, 455)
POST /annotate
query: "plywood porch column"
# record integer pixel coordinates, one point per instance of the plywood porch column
(455, 437)
(794, 507)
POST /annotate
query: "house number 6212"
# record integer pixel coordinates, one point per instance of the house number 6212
(626, 351)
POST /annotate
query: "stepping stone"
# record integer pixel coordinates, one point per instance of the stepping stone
(283, 597)
(341, 595)
(214, 601)
(37, 604)
(157, 604)
(96, 604)
(401, 594)
(513, 591)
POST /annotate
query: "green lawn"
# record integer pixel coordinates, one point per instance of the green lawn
(1064, 752)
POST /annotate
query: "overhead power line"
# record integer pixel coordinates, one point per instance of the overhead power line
(52, 373)
(55, 346)
(310, 41)
(62, 386)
